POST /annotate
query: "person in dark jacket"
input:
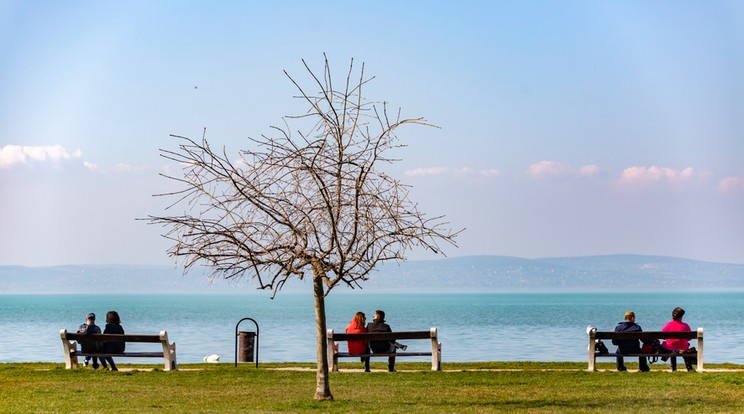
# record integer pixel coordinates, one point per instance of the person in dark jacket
(113, 326)
(383, 347)
(630, 346)
(90, 328)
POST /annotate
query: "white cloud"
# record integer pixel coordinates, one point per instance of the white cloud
(589, 170)
(427, 171)
(555, 168)
(543, 168)
(653, 174)
(120, 168)
(463, 171)
(493, 172)
(731, 184)
(456, 172)
(14, 155)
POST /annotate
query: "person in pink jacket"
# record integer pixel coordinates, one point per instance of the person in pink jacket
(358, 325)
(676, 346)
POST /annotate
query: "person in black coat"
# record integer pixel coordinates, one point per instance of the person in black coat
(113, 326)
(630, 346)
(383, 347)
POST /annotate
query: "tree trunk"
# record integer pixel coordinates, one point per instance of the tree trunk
(323, 387)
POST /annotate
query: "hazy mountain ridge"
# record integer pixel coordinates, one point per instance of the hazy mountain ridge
(596, 273)
(460, 274)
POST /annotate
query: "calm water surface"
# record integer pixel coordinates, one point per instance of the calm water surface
(472, 327)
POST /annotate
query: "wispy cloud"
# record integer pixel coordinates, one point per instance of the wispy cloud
(427, 171)
(731, 184)
(589, 170)
(547, 168)
(119, 168)
(654, 174)
(457, 172)
(493, 172)
(15, 155)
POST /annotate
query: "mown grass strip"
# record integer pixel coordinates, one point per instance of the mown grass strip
(462, 387)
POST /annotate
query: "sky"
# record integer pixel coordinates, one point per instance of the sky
(566, 128)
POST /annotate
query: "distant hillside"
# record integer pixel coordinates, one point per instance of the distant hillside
(592, 273)
(462, 274)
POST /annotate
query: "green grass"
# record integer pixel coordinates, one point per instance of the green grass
(462, 388)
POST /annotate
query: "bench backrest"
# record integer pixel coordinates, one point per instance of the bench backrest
(113, 337)
(383, 336)
(645, 335)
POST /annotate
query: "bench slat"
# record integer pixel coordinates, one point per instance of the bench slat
(691, 354)
(397, 354)
(646, 335)
(112, 337)
(382, 336)
(124, 355)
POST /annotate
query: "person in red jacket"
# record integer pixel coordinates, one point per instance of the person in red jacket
(358, 325)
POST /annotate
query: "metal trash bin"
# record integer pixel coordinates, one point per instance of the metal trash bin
(246, 342)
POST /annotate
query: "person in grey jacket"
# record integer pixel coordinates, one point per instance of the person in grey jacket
(630, 346)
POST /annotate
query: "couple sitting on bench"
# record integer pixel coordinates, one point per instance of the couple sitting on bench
(673, 347)
(357, 325)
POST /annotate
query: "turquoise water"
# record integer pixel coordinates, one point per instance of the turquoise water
(472, 327)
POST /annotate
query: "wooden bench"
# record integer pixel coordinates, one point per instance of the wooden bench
(70, 343)
(644, 336)
(334, 354)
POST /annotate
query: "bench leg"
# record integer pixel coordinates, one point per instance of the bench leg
(69, 348)
(169, 353)
(334, 358)
(332, 349)
(436, 358)
(592, 349)
(169, 358)
(73, 362)
(700, 350)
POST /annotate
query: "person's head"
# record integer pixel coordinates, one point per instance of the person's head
(113, 317)
(90, 318)
(629, 316)
(678, 313)
(379, 316)
(360, 319)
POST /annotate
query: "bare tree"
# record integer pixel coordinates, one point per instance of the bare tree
(299, 204)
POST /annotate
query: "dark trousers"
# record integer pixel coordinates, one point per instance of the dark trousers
(689, 361)
(110, 360)
(642, 364)
(95, 361)
(391, 360)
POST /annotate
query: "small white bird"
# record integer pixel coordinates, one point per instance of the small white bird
(212, 358)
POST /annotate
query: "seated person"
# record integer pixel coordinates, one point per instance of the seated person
(383, 347)
(678, 345)
(358, 347)
(631, 346)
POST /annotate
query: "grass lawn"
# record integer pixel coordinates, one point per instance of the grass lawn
(461, 388)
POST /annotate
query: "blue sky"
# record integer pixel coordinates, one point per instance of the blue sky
(567, 128)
